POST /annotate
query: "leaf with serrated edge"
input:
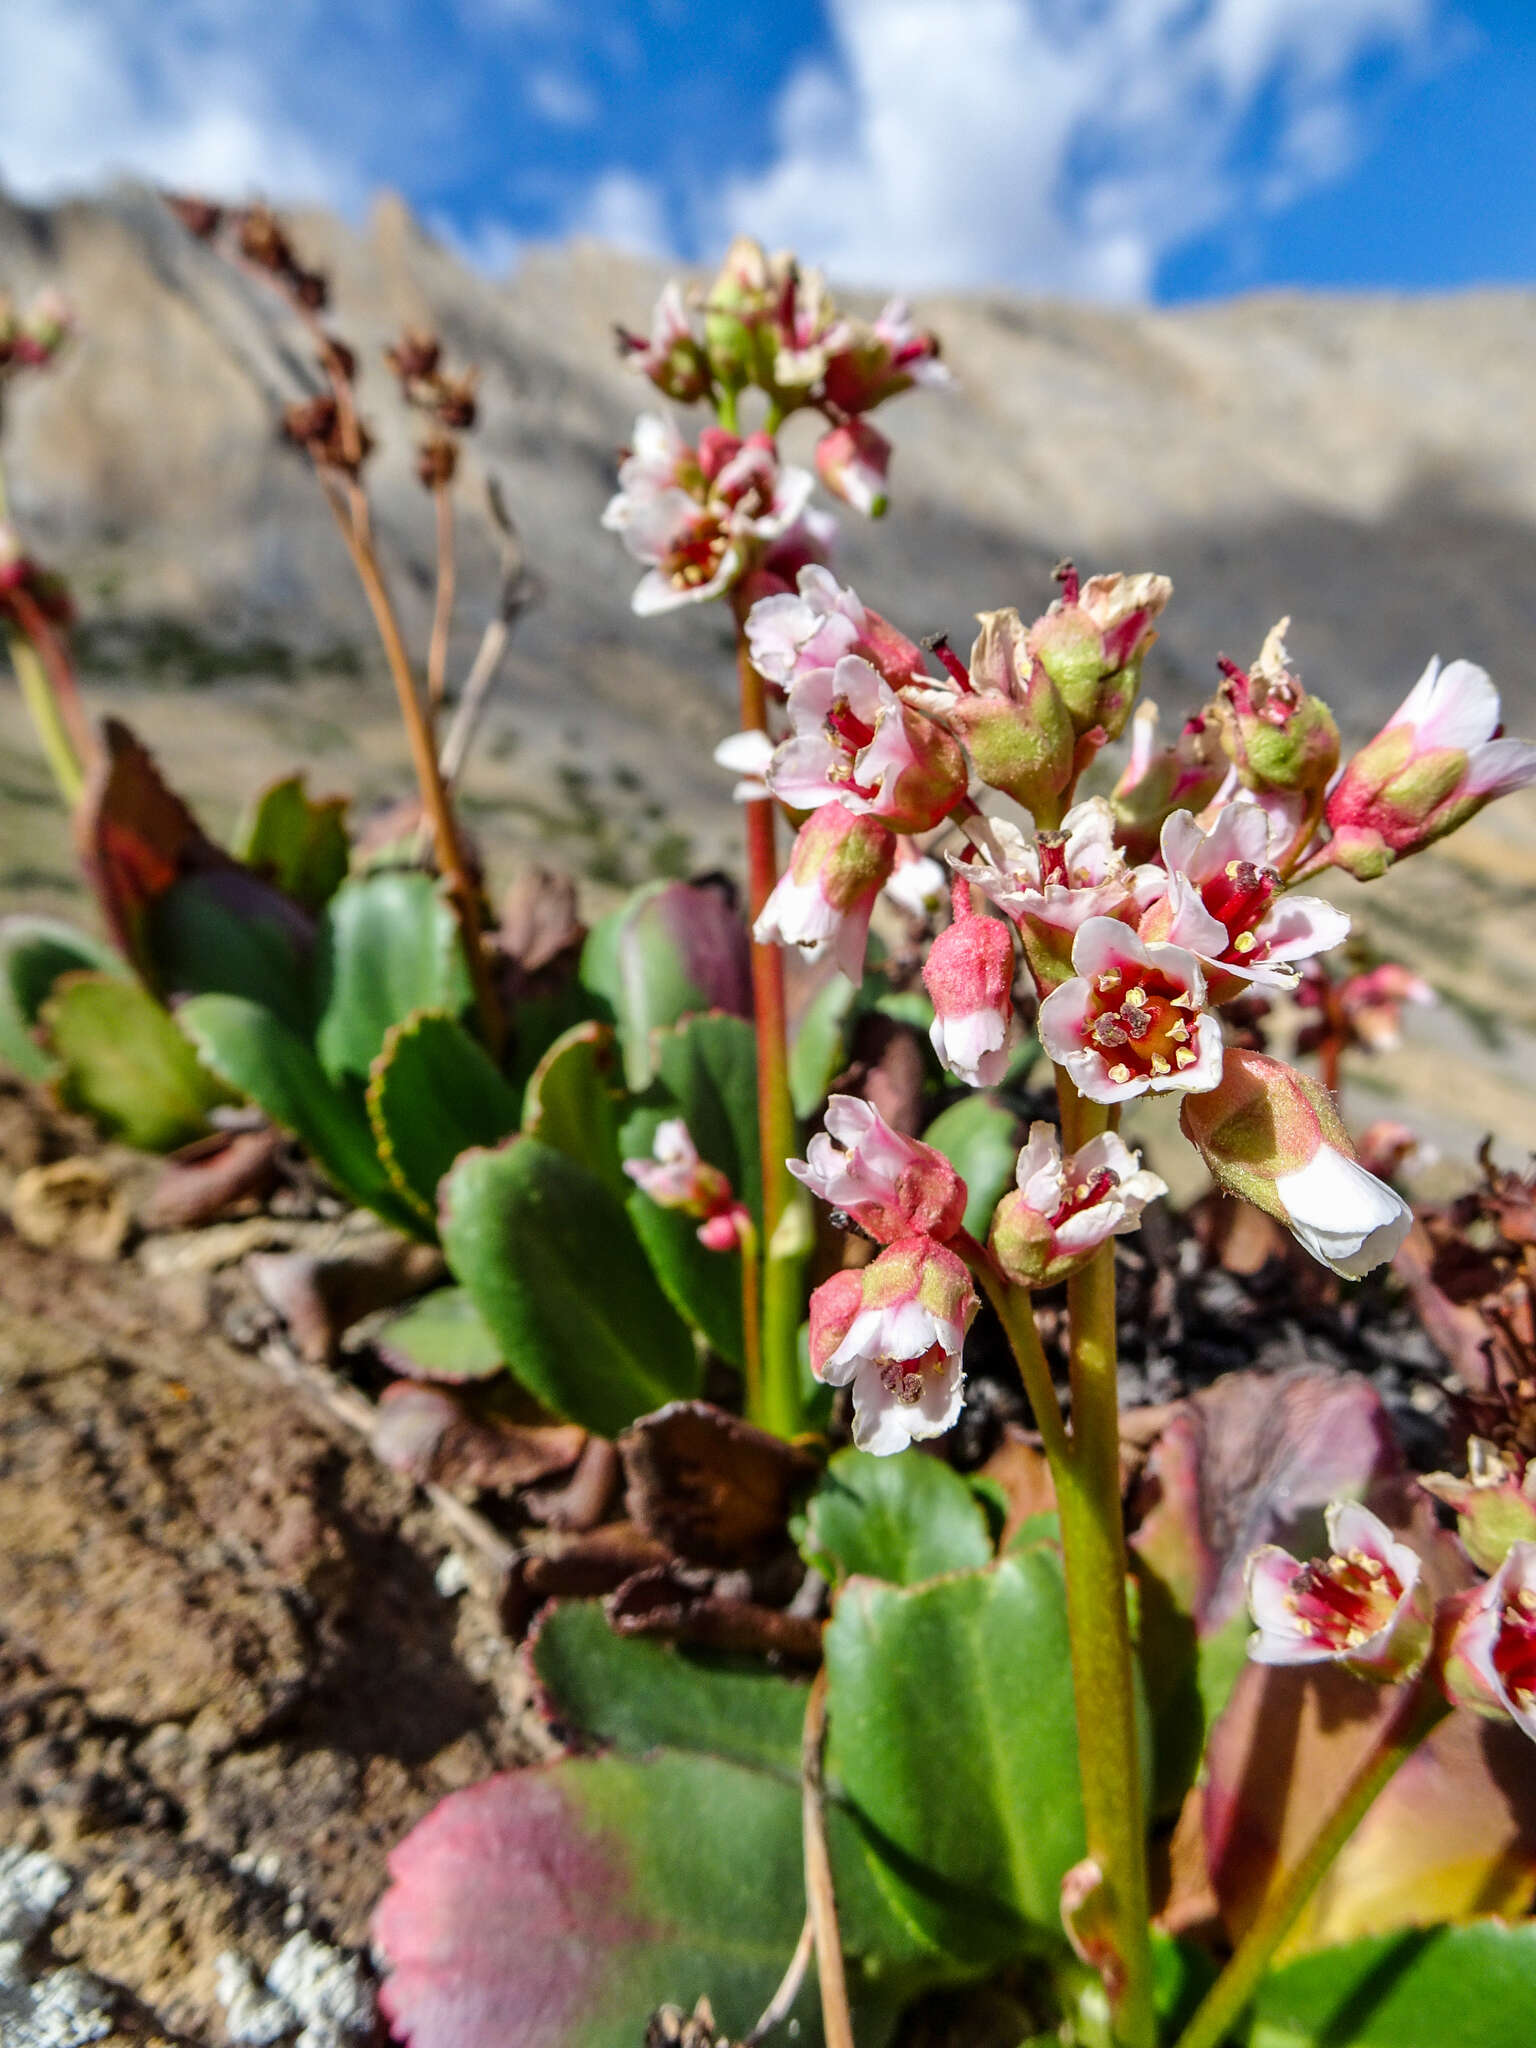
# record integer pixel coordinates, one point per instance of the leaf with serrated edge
(123, 1062)
(433, 1093)
(574, 1102)
(389, 945)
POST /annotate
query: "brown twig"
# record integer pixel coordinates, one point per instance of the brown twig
(442, 610)
(777, 2010)
(820, 1900)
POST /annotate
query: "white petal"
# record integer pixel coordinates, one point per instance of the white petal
(1344, 1216)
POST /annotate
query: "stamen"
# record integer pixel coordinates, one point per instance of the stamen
(1178, 1031)
(1108, 982)
(1159, 1065)
(1186, 1056)
(1244, 942)
(1120, 1075)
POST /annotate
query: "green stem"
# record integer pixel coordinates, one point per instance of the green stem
(1098, 1622)
(44, 711)
(1422, 1709)
(1017, 1316)
(725, 409)
(786, 1226)
(751, 1313)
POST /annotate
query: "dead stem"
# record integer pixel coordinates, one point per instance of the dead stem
(778, 2007)
(442, 610)
(821, 1902)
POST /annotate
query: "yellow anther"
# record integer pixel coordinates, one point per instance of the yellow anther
(1108, 981)
(1244, 942)
(1160, 1065)
(1120, 1073)
(1178, 1031)
(1186, 1056)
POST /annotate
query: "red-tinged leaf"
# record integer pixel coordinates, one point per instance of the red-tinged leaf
(559, 1907)
(1453, 1835)
(211, 1176)
(709, 1485)
(432, 1433)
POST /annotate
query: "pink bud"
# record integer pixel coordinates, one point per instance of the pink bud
(1274, 1137)
(969, 976)
(1433, 765)
(852, 461)
(838, 865)
(1362, 1607)
(899, 1346)
(1491, 1653)
(675, 1177)
(891, 1186)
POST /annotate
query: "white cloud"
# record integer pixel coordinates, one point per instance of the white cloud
(626, 212)
(560, 97)
(92, 88)
(1062, 145)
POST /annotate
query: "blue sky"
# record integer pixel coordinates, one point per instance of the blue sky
(1121, 149)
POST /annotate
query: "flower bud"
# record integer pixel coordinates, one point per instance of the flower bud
(1012, 720)
(674, 357)
(1275, 735)
(1433, 765)
(969, 976)
(839, 863)
(1363, 1607)
(1495, 1504)
(1092, 642)
(891, 1186)
(895, 1332)
(1490, 1661)
(1061, 1211)
(675, 1177)
(852, 462)
(1274, 1137)
(738, 335)
(870, 364)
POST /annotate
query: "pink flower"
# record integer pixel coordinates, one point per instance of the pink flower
(838, 865)
(895, 1332)
(1061, 1211)
(1274, 1137)
(969, 976)
(918, 883)
(1362, 1607)
(1433, 765)
(810, 329)
(1157, 781)
(893, 1187)
(1226, 903)
(699, 516)
(854, 742)
(746, 755)
(674, 357)
(853, 461)
(1051, 884)
(1130, 1022)
(675, 1177)
(797, 632)
(877, 362)
(1491, 1655)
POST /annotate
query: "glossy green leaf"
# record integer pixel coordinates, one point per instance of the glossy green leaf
(226, 932)
(703, 1286)
(708, 1068)
(1472, 1986)
(980, 1139)
(575, 1102)
(952, 1732)
(253, 1052)
(123, 1062)
(34, 952)
(388, 945)
(636, 1695)
(820, 1051)
(441, 1337)
(901, 1519)
(549, 1257)
(433, 1093)
(296, 840)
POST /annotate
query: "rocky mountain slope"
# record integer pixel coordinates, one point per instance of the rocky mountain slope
(1366, 464)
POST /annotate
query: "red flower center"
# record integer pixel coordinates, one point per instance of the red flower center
(1342, 1601)
(1238, 897)
(1514, 1649)
(1138, 1018)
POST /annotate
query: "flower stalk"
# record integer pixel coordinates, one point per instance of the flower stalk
(1420, 1710)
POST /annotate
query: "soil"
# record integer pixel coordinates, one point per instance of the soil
(233, 1671)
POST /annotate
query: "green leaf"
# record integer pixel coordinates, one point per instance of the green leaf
(227, 933)
(441, 1337)
(637, 1695)
(125, 1064)
(388, 945)
(901, 1519)
(557, 1908)
(433, 1093)
(574, 1102)
(1437, 1987)
(296, 840)
(553, 1266)
(672, 950)
(253, 1052)
(708, 1066)
(980, 1139)
(820, 1051)
(952, 1732)
(34, 952)
(703, 1286)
